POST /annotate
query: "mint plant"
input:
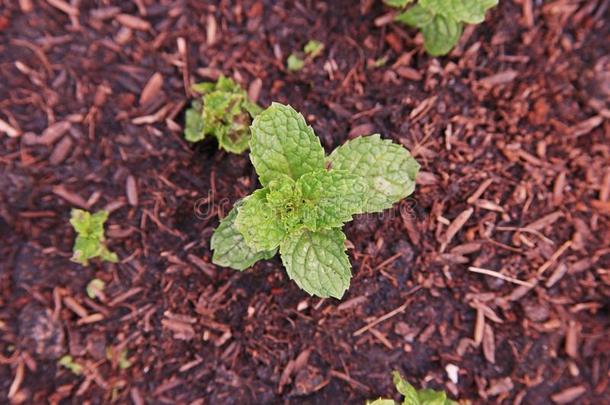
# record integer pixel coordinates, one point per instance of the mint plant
(442, 21)
(312, 50)
(90, 240)
(223, 111)
(413, 396)
(306, 197)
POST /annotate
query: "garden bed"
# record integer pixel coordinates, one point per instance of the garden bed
(512, 133)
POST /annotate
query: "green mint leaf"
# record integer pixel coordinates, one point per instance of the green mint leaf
(89, 242)
(95, 288)
(313, 48)
(388, 169)
(441, 35)
(467, 11)
(224, 112)
(294, 63)
(283, 144)
(431, 397)
(331, 198)
(397, 3)
(416, 16)
(193, 123)
(230, 248)
(406, 389)
(258, 223)
(317, 262)
(381, 401)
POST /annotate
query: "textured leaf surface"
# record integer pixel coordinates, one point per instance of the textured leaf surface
(406, 389)
(230, 248)
(317, 262)
(224, 112)
(388, 169)
(397, 3)
(331, 197)
(381, 401)
(283, 144)
(89, 242)
(259, 223)
(441, 35)
(468, 11)
(416, 16)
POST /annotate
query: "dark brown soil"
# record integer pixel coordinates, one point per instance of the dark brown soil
(91, 103)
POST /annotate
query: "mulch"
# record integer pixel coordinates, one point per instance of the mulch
(498, 264)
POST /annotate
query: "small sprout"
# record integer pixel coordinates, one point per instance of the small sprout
(294, 63)
(124, 362)
(307, 197)
(313, 48)
(442, 21)
(413, 396)
(224, 111)
(95, 288)
(380, 62)
(68, 362)
(90, 240)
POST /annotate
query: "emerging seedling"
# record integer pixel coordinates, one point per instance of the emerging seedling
(307, 197)
(90, 238)
(442, 21)
(413, 396)
(68, 362)
(224, 111)
(312, 50)
(95, 288)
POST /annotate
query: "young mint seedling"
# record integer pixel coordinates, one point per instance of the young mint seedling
(312, 50)
(442, 21)
(413, 396)
(307, 197)
(90, 238)
(224, 111)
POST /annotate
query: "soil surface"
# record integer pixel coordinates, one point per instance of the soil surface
(513, 136)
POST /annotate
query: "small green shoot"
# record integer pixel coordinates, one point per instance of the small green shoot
(123, 361)
(90, 240)
(312, 50)
(294, 63)
(413, 396)
(223, 111)
(95, 288)
(68, 362)
(307, 197)
(442, 21)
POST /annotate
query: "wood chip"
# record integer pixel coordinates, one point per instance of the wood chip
(545, 221)
(501, 78)
(479, 327)
(569, 395)
(254, 90)
(455, 227)
(61, 151)
(586, 126)
(64, 7)
(8, 129)
(572, 339)
(151, 90)
(49, 136)
(500, 276)
(70, 197)
(489, 345)
(479, 191)
(132, 191)
(133, 22)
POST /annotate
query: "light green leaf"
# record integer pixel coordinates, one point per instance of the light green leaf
(397, 3)
(406, 389)
(283, 144)
(193, 123)
(258, 222)
(388, 169)
(468, 11)
(95, 288)
(331, 198)
(89, 242)
(224, 112)
(431, 397)
(317, 262)
(381, 401)
(441, 35)
(68, 362)
(294, 63)
(313, 48)
(416, 16)
(230, 248)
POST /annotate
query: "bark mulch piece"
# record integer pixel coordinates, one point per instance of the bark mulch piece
(492, 281)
